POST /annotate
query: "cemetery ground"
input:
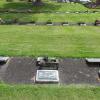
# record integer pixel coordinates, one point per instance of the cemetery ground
(48, 92)
(22, 41)
(56, 41)
(52, 6)
(59, 41)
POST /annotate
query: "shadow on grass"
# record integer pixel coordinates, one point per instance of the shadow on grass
(19, 6)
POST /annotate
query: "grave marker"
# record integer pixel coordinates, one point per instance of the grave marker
(93, 60)
(46, 76)
(3, 60)
(47, 62)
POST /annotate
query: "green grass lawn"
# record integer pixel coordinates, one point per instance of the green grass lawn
(60, 41)
(50, 40)
(49, 92)
(48, 6)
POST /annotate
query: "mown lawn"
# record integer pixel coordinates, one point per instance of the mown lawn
(49, 92)
(48, 6)
(58, 41)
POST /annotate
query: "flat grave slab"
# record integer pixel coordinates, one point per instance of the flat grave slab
(47, 76)
(93, 60)
(20, 70)
(4, 59)
(77, 71)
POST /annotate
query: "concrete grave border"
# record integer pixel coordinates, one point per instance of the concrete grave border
(12, 22)
(56, 12)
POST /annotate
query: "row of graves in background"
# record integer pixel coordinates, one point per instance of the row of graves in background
(81, 1)
(67, 1)
(88, 3)
(49, 22)
(75, 1)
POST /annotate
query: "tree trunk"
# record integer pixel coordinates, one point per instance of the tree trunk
(98, 1)
(38, 2)
(29, 0)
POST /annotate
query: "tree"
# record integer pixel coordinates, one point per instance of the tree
(29, 0)
(38, 2)
(9, 0)
(98, 1)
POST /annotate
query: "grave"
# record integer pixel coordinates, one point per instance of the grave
(75, 1)
(76, 12)
(64, 1)
(65, 23)
(99, 74)
(97, 22)
(3, 60)
(48, 70)
(84, 1)
(47, 62)
(93, 60)
(67, 12)
(49, 23)
(47, 76)
(82, 23)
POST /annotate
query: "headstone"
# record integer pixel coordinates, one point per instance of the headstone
(3, 60)
(99, 74)
(46, 76)
(97, 22)
(65, 23)
(67, 12)
(84, 1)
(93, 60)
(76, 12)
(49, 24)
(82, 23)
(47, 62)
(67, 1)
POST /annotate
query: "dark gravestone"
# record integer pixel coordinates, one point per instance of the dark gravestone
(49, 22)
(47, 62)
(65, 23)
(82, 23)
(3, 60)
(93, 62)
(97, 22)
